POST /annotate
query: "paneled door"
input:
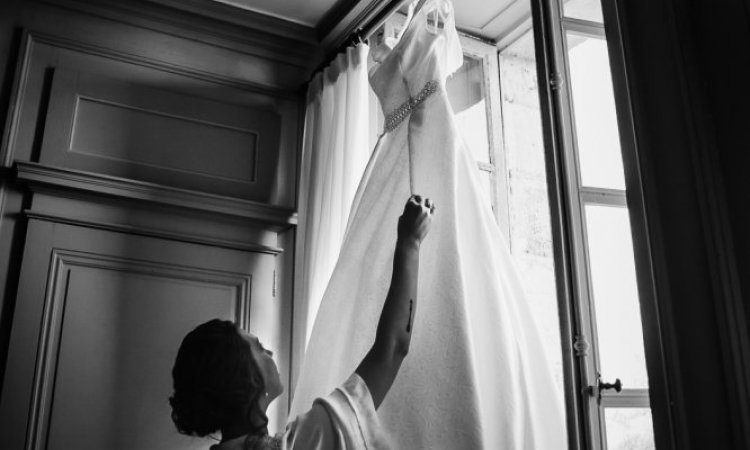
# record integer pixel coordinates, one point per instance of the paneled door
(98, 320)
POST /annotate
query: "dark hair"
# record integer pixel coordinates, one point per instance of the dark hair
(216, 381)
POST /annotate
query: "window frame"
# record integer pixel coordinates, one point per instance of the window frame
(586, 413)
(500, 184)
(584, 196)
(497, 167)
(567, 199)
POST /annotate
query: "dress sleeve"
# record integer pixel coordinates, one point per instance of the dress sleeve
(344, 420)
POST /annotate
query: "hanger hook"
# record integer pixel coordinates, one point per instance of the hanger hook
(359, 36)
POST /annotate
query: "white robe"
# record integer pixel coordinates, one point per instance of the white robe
(343, 420)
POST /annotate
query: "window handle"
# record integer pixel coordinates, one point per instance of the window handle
(602, 386)
(617, 386)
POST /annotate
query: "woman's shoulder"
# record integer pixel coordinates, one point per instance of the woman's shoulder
(311, 430)
(344, 418)
(250, 442)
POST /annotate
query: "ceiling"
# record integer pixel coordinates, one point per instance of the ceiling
(304, 12)
(491, 19)
(488, 19)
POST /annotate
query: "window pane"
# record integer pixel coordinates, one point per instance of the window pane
(467, 96)
(583, 9)
(594, 112)
(615, 293)
(528, 207)
(629, 429)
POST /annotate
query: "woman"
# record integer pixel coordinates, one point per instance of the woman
(224, 379)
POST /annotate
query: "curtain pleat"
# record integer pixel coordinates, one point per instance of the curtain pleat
(336, 147)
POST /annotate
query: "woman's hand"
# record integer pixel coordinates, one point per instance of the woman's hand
(415, 222)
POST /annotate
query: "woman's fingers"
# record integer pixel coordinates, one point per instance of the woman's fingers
(415, 221)
(418, 200)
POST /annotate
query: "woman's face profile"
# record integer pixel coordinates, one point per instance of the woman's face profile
(264, 361)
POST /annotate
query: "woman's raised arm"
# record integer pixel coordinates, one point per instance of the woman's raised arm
(379, 367)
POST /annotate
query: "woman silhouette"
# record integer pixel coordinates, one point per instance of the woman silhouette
(224, 379)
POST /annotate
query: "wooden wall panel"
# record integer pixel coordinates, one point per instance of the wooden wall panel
(148, 168)
(98, 113)
(104, 126)
(116, 345)
(99, 319)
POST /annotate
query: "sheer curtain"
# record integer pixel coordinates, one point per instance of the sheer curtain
(337, 141)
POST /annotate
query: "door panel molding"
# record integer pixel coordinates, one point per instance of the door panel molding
(62, 263)
(102, 125)
(25, 94)
(95, 306)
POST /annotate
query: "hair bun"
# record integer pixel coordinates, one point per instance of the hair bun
(194, 414)
(216, 381)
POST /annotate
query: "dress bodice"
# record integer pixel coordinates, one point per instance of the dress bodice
(428, 51)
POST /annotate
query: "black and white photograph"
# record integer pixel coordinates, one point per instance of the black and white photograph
(374, 225)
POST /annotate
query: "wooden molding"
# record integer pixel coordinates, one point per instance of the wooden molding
(153, 232)
(38, 174)
(29, 42)
(251, 20)
(54, 308)
(211, 22)
(20, 80)
(215, 147)
(34, 36)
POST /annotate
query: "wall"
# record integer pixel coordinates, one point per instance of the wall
(686, 64)
(101, 101)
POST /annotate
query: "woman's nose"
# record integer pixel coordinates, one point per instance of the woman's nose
(270, 353)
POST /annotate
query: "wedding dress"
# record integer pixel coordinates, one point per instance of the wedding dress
(476, 376)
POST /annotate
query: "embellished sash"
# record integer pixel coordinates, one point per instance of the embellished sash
(394, 119)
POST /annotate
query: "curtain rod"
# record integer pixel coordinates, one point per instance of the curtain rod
(372, 24)
(367, 27)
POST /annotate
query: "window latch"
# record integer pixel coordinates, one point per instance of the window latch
(556, 81)
(602, 386)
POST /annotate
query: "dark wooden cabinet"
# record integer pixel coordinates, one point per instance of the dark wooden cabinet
(149, 184)
(98, 320)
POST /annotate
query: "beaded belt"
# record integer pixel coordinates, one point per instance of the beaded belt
(394, 119)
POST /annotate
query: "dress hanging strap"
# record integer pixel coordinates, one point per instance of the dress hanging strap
(412, 191)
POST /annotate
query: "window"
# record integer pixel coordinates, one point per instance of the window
(607, 294)
(504, 134)
(590, 321)
(474, 95)
(604, 331)
(528, 205)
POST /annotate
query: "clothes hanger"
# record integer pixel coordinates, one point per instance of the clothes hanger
(435, 17)
(358, 37)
